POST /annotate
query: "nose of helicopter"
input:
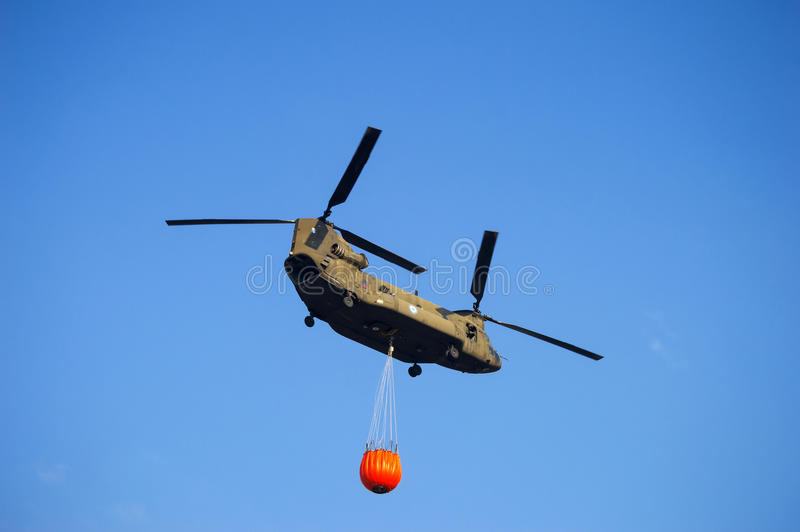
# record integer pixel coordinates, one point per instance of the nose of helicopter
(492, 365)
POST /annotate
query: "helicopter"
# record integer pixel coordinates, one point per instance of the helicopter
(330, 279)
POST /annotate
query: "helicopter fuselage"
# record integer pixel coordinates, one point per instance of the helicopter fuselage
(330, 280)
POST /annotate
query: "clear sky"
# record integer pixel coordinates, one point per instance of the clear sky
(643, 158)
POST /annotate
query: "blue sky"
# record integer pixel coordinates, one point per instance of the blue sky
(643, 158)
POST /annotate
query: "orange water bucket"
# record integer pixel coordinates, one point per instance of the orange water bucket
(380, 470)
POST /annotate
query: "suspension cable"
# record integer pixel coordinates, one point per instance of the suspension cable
(383, 427)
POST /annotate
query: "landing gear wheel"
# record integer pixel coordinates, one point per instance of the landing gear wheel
(415, 370)
(309, 321)
(348, 301)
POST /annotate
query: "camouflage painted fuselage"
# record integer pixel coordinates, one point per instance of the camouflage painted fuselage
(328, 276)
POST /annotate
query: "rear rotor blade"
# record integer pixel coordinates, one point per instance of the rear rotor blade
(219, 221)
(559, 343)
(375, 249)
(482, 266)
(354, 168)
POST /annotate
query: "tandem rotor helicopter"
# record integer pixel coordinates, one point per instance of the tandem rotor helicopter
(330, 280)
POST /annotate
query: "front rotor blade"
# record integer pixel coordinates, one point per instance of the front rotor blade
(383, 253)
(559, 343)
(217, 221)
(354, 168)
(482, 265)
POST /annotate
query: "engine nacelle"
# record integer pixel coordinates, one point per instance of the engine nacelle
(359, 260)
